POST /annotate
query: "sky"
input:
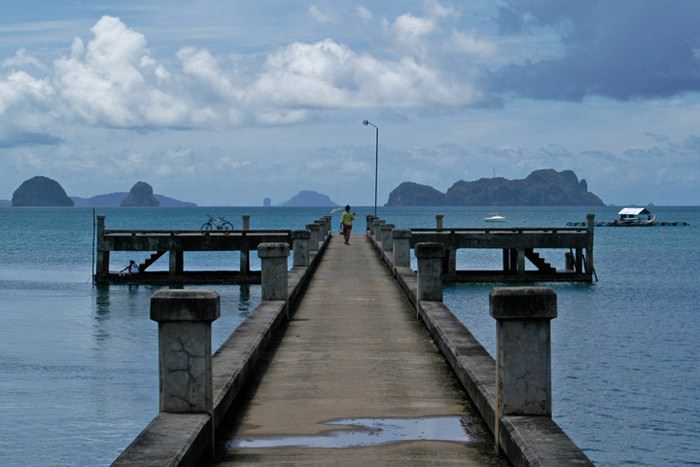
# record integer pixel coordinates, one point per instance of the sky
(222, 102)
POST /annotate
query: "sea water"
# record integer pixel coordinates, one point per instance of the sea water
(78, 363)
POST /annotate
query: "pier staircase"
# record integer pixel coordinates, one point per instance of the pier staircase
(151, 259)
(539, 261)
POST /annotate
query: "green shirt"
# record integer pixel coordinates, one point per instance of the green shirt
(347, 218)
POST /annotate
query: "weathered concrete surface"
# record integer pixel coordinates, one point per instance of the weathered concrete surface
(525, 440)
(355, 350)
(182, 439)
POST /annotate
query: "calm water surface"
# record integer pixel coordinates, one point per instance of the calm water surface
(78, 364)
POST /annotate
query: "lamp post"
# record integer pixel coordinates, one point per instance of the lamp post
(376, 160)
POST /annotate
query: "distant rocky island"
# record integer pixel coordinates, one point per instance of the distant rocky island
(43, 191)
(545, 187)
(309, 199)
(40, 191)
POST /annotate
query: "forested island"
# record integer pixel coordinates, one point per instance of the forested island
(545, 187)
(42, 191)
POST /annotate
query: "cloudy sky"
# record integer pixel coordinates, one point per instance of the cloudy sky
(225, 102)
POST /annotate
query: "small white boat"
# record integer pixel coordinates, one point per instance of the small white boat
(495, 218)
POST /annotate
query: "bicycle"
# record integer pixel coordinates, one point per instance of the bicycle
(212, 224)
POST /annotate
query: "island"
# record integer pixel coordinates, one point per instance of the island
(140, 195)
(545, 187)
(309, 199)
(40, 191)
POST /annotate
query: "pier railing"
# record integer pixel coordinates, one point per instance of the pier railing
(512, 392)
(520, 246)
(193, 403)
(156, 243)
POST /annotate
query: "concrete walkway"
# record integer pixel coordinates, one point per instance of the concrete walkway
(356, 380)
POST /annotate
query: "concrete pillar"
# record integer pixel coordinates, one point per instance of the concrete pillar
(450, 261)
(387, 238)
(102, 253)
(321, 229)
(244, 264)
(373, 226)
(439, 221)
(521, 261)
(379, 237)
(590, 224)
(184, 348)
(328, 220)
(176, 264)
(368, 222)
(569, 262)
(523, 355)
(376, 224)
(313, 239)
(300, 248)
(402, 247)
(430, 256)
(273, 259)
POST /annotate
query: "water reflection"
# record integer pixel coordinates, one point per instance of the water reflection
(363, 432)
(244, 300)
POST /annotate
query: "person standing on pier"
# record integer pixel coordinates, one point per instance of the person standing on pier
(346, 223)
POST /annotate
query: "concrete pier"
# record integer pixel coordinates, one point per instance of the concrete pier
(354, 351)
(333, 368)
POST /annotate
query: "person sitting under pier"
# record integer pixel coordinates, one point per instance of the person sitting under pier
(131, 268)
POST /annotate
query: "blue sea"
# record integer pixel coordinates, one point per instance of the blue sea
(78, 363)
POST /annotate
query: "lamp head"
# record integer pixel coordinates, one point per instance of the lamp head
(365, 122)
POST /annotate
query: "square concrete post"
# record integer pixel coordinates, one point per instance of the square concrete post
(523, 354)
(321, 229)
(590, 224)
(184, 348)
(430, 256)
(313, 239)
(102, 253)
(244, 261)
(387, 238)
(327, 220)
(273, 259)
(300, 248)
(402, 247)
(439, 221)
(368, 222)
(176, 264)
(376, 224)
(520, 268)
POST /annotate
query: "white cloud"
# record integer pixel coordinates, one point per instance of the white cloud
(471, 44)
(23, 60)
(411, 29)
(330, 75)
(201, 64)
(19, 88)
(364, 13)
(435, 9)
(319, 15)
(114, 81)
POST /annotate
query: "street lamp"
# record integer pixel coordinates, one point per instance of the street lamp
(376, 160)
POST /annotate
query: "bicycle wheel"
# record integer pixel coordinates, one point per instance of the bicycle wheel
(206, 226)
(226, 225)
